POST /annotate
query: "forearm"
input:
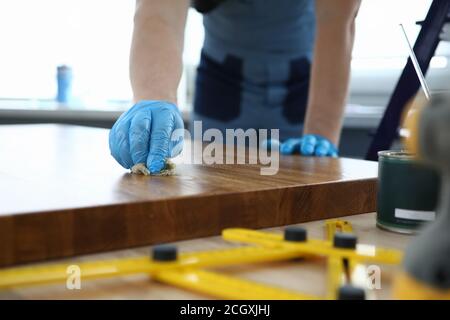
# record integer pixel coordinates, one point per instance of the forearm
(156, 49)
(330, 73)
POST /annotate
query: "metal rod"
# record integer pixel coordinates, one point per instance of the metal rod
(416, 65)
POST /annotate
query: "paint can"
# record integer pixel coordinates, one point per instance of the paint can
(407, 192)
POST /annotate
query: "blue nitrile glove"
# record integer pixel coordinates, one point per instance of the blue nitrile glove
(309, 145)
(143, 134)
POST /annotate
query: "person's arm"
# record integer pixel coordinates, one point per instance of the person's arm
(156, 49)
(335, 25)
(150, 131)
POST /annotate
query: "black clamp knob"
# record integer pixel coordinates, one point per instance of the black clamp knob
(295, 234)
(349, 292)
(344, 240)
(164, 253)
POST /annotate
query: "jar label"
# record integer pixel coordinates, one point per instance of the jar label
(415, 214)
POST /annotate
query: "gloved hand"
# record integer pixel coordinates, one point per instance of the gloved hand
(143, 134)
(309, 145)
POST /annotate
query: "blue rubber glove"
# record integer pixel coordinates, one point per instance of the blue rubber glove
(309, 145)
(143, 134)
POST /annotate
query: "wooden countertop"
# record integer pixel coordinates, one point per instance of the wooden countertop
(305, 276)
(62, 194)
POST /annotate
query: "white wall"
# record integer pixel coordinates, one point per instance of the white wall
(94, 38)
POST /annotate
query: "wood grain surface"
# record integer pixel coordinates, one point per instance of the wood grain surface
(62, 194)
(307, 276)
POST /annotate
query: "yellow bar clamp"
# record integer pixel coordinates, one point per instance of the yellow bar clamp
(25, 276)
(226, 287)
(184, 271)
(363, 253)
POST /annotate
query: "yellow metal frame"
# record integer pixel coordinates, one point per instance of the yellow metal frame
(186, 272)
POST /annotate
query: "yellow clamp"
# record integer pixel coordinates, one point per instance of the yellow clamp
(184, 271)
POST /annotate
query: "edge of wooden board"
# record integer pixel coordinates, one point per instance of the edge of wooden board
(48, 235)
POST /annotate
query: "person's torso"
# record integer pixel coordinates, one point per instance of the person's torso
(261, 28)
(256, 56)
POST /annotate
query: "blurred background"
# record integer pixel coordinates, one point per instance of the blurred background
(92, 39)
